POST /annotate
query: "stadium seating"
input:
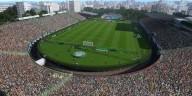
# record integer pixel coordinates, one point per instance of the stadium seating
(17, 71)
(19, 76)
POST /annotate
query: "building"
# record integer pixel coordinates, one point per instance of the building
(3, 7)
(189, 11)
(182, 7)
(111, 16)
(50, 7)
(130, 4)
(22, 7)
(63, 6)
(74, 6)
(161, 7)
(146, 7)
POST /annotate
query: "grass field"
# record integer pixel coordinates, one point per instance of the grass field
(117, 44)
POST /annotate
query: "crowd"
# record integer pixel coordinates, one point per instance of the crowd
(19, 76)
(16, 36)
(168, 36)
(170, 75)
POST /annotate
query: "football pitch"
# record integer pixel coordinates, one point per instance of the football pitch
(97, 45)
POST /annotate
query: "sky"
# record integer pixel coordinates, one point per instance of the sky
(80, 0)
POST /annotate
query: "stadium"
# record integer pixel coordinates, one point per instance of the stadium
(118, 45)
(21, 76)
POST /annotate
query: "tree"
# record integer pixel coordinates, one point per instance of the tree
(88, 9)
(32, 12)
(130, 14)
(10, 14)
(42, 12)
(27, 13)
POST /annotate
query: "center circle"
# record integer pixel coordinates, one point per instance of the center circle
(79, 54)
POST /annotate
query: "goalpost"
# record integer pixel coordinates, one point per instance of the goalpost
(88, 43)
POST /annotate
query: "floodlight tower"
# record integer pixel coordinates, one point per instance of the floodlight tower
(68, 12)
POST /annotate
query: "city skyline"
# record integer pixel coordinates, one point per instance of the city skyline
(1, 1)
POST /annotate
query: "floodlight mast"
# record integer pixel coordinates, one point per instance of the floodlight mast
(68, 12)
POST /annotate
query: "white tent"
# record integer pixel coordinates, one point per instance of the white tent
(41, 61)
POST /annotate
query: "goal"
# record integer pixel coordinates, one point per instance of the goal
(88, 43)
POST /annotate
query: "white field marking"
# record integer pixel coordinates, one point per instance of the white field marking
(64, 79)
(14, 53)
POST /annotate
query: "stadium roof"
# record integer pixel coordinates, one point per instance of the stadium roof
(160, 16)
(89, 13)
(189, 18)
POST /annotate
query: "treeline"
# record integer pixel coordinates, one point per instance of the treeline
(33, 12)
(130, 14)
(10, 14)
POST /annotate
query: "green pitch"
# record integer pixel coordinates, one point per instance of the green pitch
(114, 45)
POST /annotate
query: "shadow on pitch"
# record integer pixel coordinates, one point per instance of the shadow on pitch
(125, 27)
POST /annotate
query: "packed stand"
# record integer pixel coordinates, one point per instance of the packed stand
(19, 76)
(170, 75)
(16, 36)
